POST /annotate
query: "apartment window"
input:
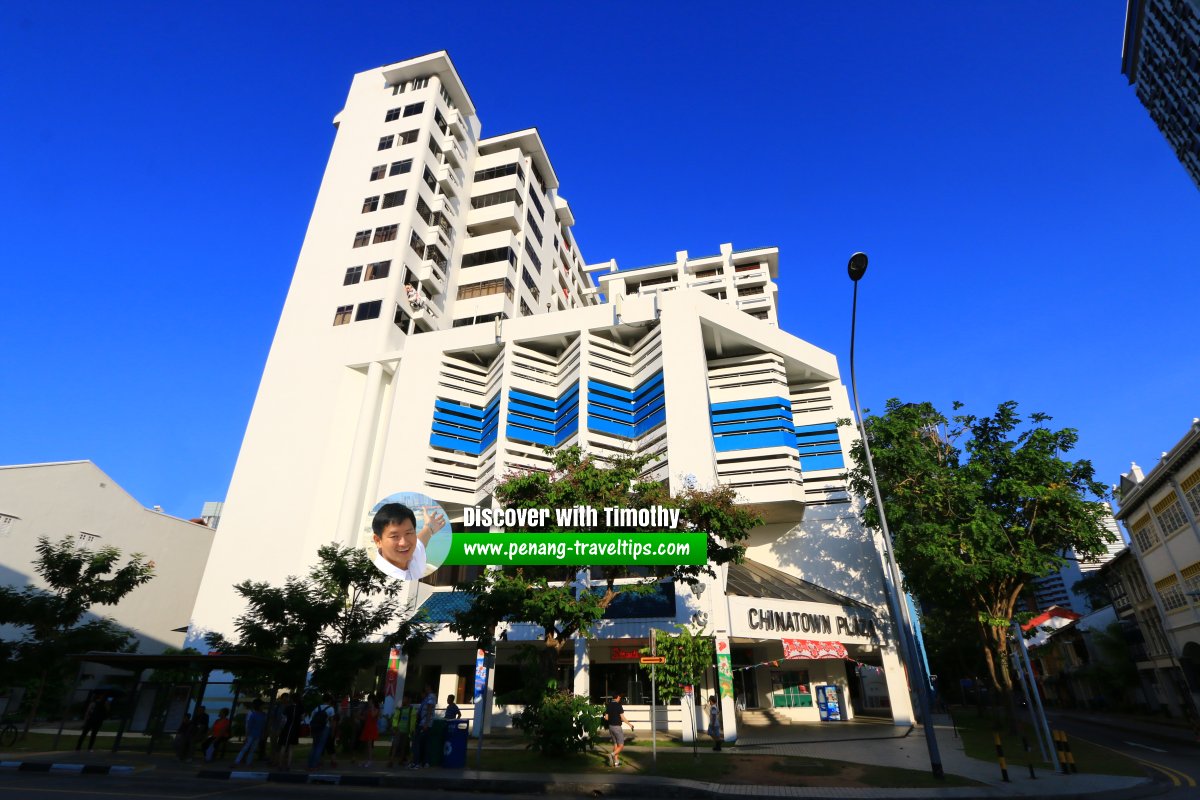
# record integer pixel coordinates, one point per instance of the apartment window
(533, 227)
(446, 97)
(1170, 516)
(399, 88)
(392, 115)
(434, 253)
(485, 288)
(362, 238)
(433, 148)
(529, 251)
(386, 142)
(528, 280)
(420, 83)
(424, 211)
(1190, 486)
(413, 109)
(379, 269)
(525, 312)
(417, 244)
(499, 172)
(368, 310)
(342, 316)
(440, 122)
(7, 523)
(379, 172)
(401, 319)
(400, 167)
(385, 233)
(537, 176)
(393, 199)
(408, 137)
(489, 257)
(353, 275)
(751, 291)
(533, 198)
(708, 273)
(1143, 534)
(430, 181)
(496, 198)
(1172, 597)
(370, 204)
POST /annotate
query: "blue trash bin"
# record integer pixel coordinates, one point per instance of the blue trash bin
(454, 751)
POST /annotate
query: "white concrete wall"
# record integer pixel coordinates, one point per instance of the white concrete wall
(67, 499)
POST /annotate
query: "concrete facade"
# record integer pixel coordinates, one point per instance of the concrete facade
(76, 498)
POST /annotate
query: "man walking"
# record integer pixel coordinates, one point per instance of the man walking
(614, 713)
(256, 726)
(93, 718)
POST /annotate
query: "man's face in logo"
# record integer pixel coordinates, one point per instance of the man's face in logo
(397, 543)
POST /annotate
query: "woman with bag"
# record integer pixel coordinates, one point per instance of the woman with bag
(714, 722)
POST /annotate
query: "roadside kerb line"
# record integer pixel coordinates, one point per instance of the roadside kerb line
(1168, 771)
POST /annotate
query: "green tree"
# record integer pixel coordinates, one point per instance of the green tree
(341, 618)
(978, 507)
(545, 597)
(55, 621)
(688, 656)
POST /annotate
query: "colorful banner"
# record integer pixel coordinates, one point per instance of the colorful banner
(480, 675)
(393, 673)
(808, 648)
(724, 668)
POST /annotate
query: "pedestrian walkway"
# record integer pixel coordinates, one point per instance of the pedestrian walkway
(869, 744)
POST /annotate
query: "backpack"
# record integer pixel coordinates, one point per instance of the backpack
(320, 718)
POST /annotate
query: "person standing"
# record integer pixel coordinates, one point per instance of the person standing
(183, 737)
(256, 727)
(714, 722)
(425, 713)
(404, 723)
(320, 724)
(93, 718)
(614, 713)
(370, 730)
(452, 710)
(289, 734)
(221, 730)
(200, 728)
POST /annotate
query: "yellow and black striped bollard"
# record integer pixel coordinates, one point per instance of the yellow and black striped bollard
(1000, 757)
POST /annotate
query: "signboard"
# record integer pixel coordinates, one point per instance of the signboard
(654, 660)
(760, 618)
(724, 668)
(618, 653)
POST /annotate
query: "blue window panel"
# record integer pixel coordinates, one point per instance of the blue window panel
(754, 441)
(446, 443)
(527, 436)
(829, 461)
(756, 403)
(461, 433)
(461, 422)
(612, 428)
(755, 425)
(517, 407)
(532, 399)
(530, 422)
(824, 427)
(566, 431)
(458, 411)
(651, 422)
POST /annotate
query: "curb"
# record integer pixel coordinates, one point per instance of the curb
(66, 769)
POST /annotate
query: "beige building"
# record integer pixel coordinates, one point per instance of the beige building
(76, 498)
(1162, 511)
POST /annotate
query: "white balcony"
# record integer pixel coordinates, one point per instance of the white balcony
(502, 216)
(431, 277)
(449, 179)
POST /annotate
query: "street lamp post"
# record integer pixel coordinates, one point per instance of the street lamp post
(908, 646)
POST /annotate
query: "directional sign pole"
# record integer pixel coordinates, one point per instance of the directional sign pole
(653, 730)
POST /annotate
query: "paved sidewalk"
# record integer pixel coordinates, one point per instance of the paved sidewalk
(878, 745)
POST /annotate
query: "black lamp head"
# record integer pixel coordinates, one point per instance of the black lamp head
(857, 266)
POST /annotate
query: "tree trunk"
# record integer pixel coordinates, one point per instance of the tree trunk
(33, 707)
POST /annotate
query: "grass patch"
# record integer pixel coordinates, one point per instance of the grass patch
(978, 742)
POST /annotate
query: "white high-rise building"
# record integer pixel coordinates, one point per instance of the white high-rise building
(442, 328)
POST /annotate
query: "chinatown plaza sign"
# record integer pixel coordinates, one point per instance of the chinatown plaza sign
(784, 619)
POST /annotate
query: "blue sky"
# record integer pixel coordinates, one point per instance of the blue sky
(1031, 234)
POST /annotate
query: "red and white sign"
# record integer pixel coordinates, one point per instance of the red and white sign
(811, 649)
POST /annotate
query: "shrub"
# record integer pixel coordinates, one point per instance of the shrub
(560, 723)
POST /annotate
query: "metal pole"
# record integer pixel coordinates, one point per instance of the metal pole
(653, 726)
(1037, 728)
(1037, 698)
(916, 664)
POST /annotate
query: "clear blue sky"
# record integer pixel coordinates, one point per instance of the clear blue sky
(1031, 234)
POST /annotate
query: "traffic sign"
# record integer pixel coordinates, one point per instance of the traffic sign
(654, 660)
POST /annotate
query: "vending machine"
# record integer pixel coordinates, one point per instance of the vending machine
(831, 702)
